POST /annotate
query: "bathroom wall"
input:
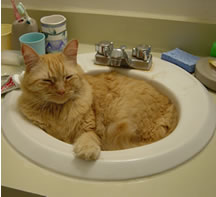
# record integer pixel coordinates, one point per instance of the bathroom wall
(192, 10)
(189, 25)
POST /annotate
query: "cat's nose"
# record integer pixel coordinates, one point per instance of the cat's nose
(60, 92)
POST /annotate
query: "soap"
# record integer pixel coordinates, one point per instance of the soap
(181, 58)
(213, 63)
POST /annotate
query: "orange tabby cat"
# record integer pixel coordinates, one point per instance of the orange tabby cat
(107, 111)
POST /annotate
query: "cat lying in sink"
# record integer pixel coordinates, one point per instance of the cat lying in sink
(107, 111)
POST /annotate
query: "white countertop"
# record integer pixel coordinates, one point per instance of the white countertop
(196, 177)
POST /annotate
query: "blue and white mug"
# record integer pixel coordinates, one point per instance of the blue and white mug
(54, 28)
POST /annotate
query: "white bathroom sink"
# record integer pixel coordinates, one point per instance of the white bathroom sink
(195, 128)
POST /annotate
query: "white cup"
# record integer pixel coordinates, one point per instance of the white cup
(54, 28)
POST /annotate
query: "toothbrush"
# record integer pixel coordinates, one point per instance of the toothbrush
(22, 10)
(16, 13)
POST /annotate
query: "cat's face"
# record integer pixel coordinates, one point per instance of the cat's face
(53, 77)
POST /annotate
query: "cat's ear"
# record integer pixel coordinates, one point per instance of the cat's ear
(30, 56)
(70, 51)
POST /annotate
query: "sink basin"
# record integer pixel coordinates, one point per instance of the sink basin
(195, 128)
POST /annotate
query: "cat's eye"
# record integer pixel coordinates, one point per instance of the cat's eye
(68, 77)
(47, 80)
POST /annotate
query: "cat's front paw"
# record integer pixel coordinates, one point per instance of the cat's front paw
(86, 150)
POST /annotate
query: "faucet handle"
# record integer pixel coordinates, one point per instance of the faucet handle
(104, 48)
(141, 52)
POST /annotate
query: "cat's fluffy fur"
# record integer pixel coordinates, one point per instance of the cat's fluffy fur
(108, 111)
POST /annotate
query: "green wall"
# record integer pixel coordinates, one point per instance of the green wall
(163, 35)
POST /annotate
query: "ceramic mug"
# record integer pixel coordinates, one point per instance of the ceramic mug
(35, 40)
(54, 28)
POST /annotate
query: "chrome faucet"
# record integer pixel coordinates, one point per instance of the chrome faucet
(139, 58)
